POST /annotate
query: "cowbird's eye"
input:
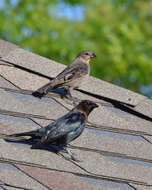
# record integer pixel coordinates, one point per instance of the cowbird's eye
(86, 53)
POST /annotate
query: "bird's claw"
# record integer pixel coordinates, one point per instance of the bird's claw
(72, 155)
(75, 101)
(75, 159)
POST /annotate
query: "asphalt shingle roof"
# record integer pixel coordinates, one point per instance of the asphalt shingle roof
(115, 148)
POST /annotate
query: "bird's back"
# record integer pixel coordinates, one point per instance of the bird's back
(73, 75)
(68, 127)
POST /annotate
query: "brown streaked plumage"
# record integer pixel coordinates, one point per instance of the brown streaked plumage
(63, 130)
(71, 77)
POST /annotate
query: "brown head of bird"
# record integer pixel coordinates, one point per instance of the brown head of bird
(86, 56)
(86, 107)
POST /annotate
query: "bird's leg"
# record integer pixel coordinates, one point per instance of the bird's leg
(72, 155)
(69, 96)
(68, 93)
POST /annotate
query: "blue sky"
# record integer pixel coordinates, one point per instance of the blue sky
(63, 10)
(72, 12)
(2, 3)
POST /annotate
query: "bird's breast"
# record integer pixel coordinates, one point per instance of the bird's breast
(74, 134)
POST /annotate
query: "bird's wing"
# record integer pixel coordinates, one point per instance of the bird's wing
(73, 71)
(62, 126)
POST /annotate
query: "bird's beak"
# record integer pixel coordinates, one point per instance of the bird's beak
(94, 105)
(93, 55)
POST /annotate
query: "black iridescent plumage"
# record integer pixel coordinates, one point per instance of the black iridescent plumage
(63, 130)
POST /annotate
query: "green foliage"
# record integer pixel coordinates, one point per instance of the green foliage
(119, 32)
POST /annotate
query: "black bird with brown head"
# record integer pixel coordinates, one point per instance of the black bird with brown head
(63, 130)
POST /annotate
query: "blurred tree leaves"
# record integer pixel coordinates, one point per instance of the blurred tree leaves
(118, 31)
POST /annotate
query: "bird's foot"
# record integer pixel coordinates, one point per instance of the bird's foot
(75, 159)
(72, 155)
(75, 101)
(69, 96)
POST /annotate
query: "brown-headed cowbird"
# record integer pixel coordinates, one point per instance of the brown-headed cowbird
(63, 130)
(71, 77)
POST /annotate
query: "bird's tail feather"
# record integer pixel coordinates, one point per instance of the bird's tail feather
(43, 90)
(30, 133)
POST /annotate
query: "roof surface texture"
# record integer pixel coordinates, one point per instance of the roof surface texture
(115, 147)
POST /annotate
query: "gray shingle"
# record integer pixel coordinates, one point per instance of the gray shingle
(14, 177)
(56, 179)
(148, 138)
(111, 117)
(114, 167)
(115, 144)
(94, 163)
(30, 105)
(11, 188)
(23, 153)
(103, 88)
(22, 79)
(34, 62)
(145, 107)
(6, 84)
(141, 187)
(10, 124)
(6, 47)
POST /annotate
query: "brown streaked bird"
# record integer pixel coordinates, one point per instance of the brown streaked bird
(71, 77)
(63, 130)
